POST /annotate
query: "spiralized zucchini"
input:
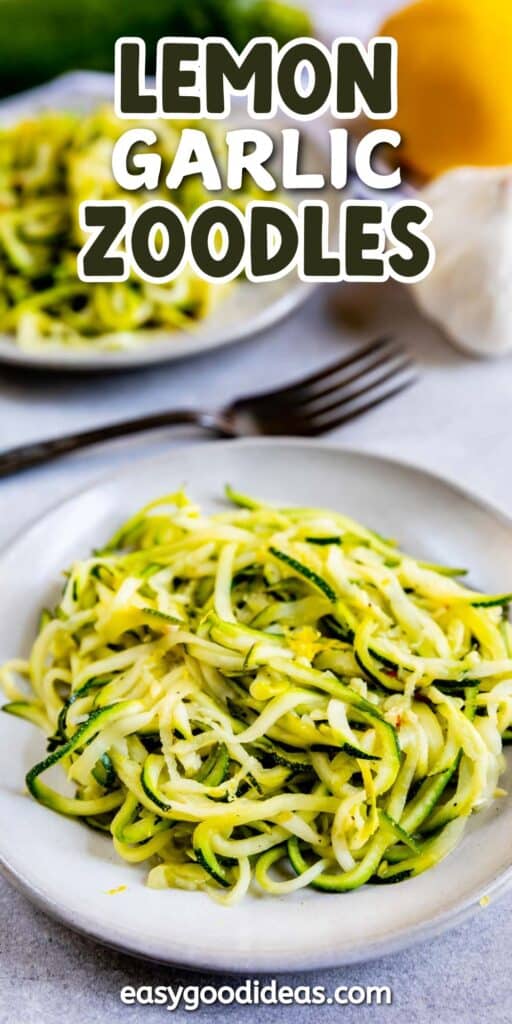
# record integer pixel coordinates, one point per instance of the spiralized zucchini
(48, 166)
(268, 694)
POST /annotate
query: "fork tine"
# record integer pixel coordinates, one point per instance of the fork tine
(336, 384)
(341, 396)
(317, 427)
(338, 366)
(284, 394)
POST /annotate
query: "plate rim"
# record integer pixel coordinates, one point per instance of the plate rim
(277, 440)
(153, 354)
(212, 960)
(363, 952)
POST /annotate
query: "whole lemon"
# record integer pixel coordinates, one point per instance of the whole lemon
(454, 83)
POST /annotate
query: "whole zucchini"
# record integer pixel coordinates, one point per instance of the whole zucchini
(40, 39)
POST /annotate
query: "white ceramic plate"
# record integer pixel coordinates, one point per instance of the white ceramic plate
(245, 310)
(68, 870)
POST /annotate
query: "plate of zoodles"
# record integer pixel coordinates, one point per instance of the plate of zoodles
(56, 145)
(257, 707)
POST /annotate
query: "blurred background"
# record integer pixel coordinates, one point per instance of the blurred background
(43, 38)
(48, 37)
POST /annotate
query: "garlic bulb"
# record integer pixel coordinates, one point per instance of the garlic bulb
(469, 290)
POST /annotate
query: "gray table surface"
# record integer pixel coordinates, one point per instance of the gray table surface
(455, 421)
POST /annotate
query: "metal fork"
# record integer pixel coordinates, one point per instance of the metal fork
(312, 406)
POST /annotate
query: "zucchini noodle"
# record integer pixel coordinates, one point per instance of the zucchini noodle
(274, 696)
(48, 166)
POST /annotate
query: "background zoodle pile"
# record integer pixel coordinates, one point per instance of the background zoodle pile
(48, 166)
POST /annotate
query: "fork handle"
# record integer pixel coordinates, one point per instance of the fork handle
(38, 452)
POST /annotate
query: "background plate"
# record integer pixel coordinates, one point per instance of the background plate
(68, 870)
(244, 310)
